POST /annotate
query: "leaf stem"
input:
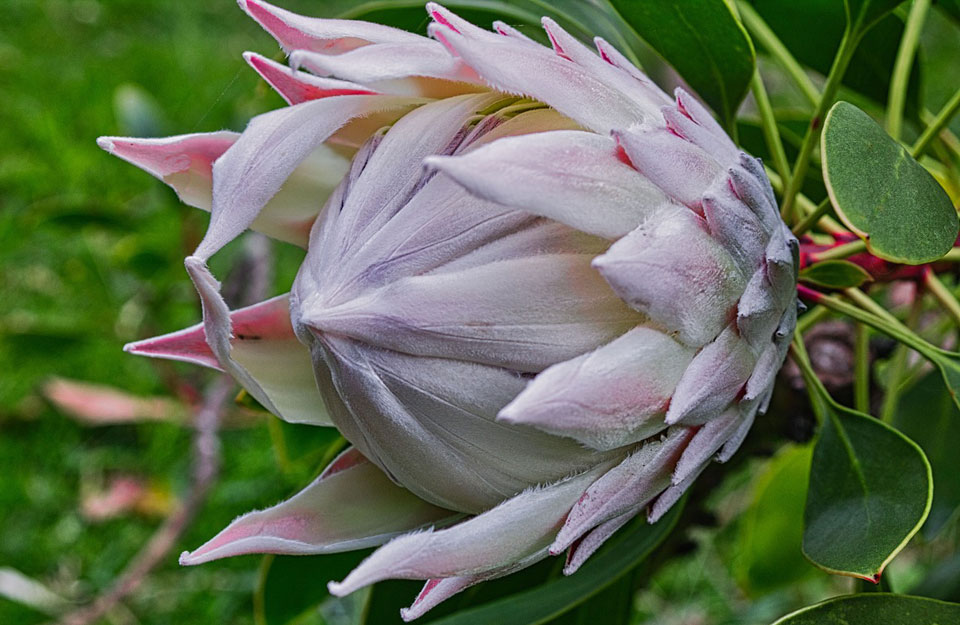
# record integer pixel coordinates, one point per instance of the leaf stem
(768, 122)
(808, 320)
(894, 328)
(861, 370)
(805, 204)
(763, 34)
(867, 303)
(841, 251)
(934, 127)
(851, 37)
(812, 218)
(942, 294)
(898, 366)
(901, 69)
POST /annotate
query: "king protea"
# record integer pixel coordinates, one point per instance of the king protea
(539, 296)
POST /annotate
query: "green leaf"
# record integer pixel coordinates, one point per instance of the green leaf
(835, 274)
(882, 193)
(874, 608)
(870, 491)
(812, 31)
(927, 414)
(291, 586)
(768, 550)
(620, 554)
(704, 41)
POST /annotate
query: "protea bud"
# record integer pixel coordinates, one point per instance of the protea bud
(538, 294)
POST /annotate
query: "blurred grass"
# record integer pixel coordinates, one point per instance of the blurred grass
(91, 253)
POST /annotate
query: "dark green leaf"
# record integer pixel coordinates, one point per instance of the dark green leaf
(835, 274)
(926, 413)
(870, 491)
(874, 609)
(769, 552)
(538, 605)
(951, 8)
(882, 193)
(864, 13)
(812, 31)
(703, 41)
(289, 586)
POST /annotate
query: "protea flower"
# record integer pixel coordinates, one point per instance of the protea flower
(539, 296)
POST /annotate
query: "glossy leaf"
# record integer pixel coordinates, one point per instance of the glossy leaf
(870, 491)
(882, 193)
(926, 413)
(703, 41)
(768, 551)
(538, 605)
(874, 608)
(812, 31)
(835, 274)
(290, 586)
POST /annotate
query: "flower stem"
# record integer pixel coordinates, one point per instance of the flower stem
(763, 34)
(808, 320)
(892, 328)
(768, 123)
(939, 123)
(861, 371)
(840, 251)
(901, 69)
(812, 218)
(851, 37)
(806, 205)
(898, 366)
(942, 294)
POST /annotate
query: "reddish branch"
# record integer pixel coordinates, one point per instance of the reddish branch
(206, 464)
(253, 278)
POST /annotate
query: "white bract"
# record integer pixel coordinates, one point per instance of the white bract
(539, 296)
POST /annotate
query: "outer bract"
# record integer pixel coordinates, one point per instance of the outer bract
(539, 296)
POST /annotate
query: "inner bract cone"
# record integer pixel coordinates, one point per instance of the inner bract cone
(539, 296)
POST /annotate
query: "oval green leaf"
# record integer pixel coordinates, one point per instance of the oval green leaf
(620, 554)
(874, 608)
(870, 491)
(704, 41)
(835, 274)
(882, 193)
(926, 413)
(768, 553)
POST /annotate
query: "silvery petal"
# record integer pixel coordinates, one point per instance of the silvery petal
(571, 176)
(517, 528)
(514, 66)
(296, 87)
(430, 424)
(273, 365)
(626, 488)
(523, 314)
(333, 36)
(674, 272)
(714, 379)
(352, 505)
(273, 145)
(607, 398)
(681, 169)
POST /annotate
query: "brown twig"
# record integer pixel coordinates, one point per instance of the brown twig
(206, 464)
(254, 276)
